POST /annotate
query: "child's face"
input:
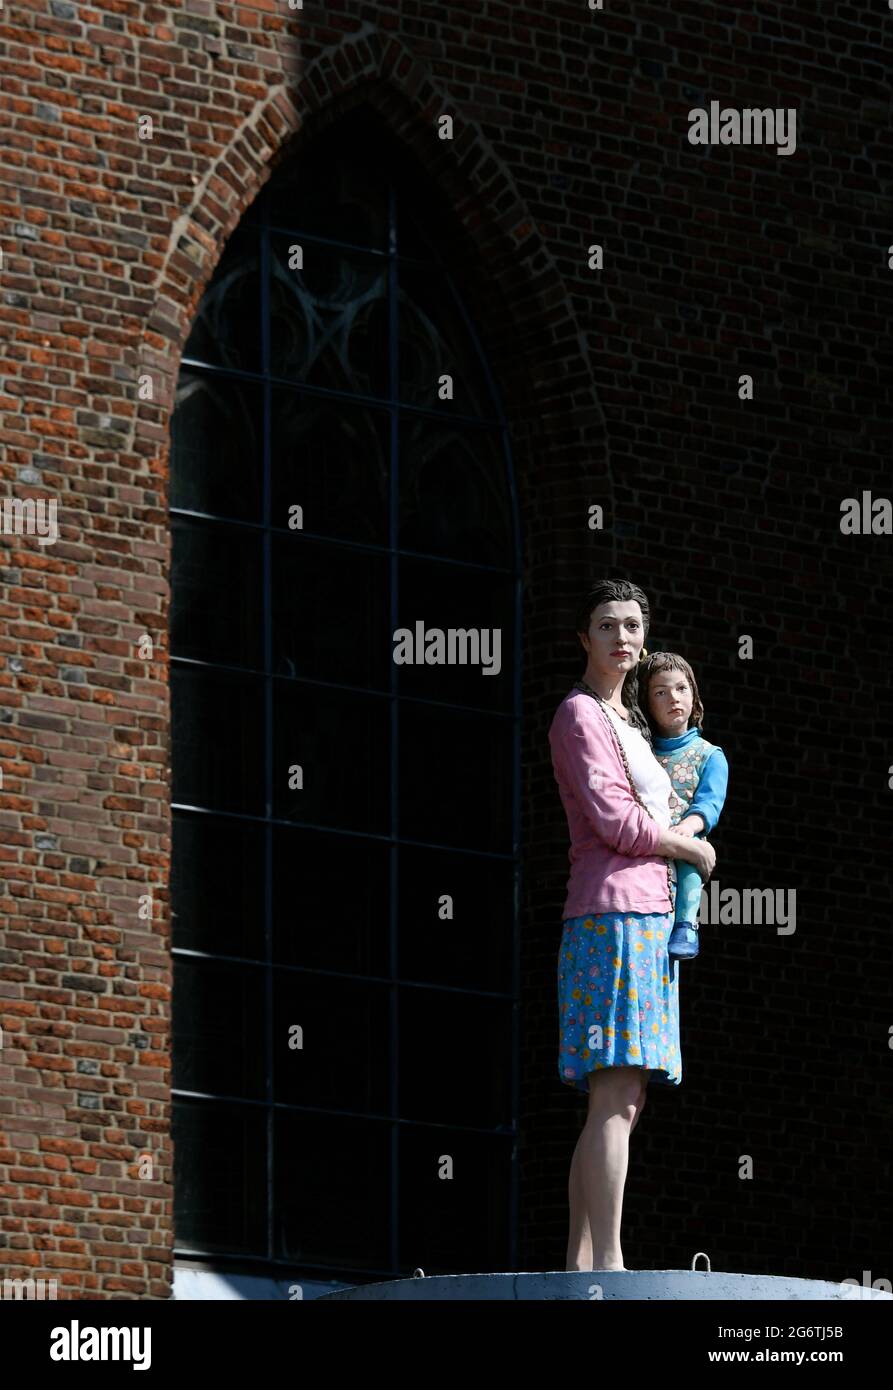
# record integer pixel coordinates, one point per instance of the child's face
(669, 702)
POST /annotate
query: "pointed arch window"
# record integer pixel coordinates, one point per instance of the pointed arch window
(345, 829)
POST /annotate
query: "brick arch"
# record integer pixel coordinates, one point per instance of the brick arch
(518, 292)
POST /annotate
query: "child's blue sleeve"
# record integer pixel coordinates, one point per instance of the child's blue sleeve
(710, 796)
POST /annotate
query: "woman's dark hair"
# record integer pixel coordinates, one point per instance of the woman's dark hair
(668, 661)
(619, 591)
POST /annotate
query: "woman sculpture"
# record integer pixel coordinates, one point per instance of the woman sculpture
(618, 988)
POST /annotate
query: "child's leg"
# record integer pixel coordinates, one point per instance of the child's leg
(688, 890)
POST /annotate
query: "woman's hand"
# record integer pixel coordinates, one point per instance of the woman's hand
(703, 856)
(698, 852)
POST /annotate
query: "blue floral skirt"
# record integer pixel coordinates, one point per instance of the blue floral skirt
(618, 997)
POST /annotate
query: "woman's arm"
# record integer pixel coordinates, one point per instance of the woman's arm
(701, 853)
(586, 760)
(587, 764)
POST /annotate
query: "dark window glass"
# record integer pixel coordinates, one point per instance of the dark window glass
(328, 316)
(217, 884)
(332, 1028)
(338, 745)
(331, 1191)
(461, 622)
(227, 328)
(331, 901)
(216, 582)
(458, 1226)
(219, 1176)
(330, 615)
(454, 1061)
(435, 341)
(342, 198)
(455, 781)
(217, 740)
(473, 947)
(209, 1039)
(331, 1038)
(331, 459)
(217, 446)
(471, 519)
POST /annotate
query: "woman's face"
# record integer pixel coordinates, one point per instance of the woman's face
(669, 702)
(615, 637)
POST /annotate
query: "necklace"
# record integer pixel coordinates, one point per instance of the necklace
(589, 690)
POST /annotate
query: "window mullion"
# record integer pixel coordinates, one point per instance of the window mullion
(393, 525)
(268, 732)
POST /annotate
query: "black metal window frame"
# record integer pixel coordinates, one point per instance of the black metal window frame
(396, 409)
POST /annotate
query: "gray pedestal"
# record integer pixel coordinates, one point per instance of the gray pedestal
(663, 1285)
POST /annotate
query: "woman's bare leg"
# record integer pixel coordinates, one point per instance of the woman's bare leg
(579, 1242)
(598, 1167)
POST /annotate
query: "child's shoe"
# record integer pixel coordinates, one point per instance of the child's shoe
(684, 941)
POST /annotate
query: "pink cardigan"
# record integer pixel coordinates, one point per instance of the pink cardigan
(613, 864)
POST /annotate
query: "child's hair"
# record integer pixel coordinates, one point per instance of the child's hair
(667, 661)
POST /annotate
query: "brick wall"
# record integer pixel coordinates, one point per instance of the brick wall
(621, 385)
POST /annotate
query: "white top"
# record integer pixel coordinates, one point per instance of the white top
(651, 780)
